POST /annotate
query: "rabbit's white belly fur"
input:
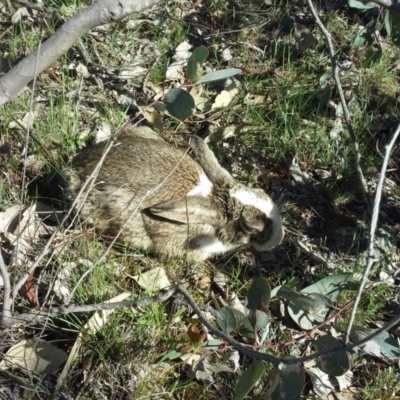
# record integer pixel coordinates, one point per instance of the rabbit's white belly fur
(203, 188)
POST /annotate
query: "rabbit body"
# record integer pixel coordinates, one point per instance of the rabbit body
(168, 203)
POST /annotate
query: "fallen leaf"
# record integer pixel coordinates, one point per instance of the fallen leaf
(320, 380)
(83, 71)
(222, 133)
(103, 133)
(253, 99)
(36, 355)
(297, 174)
(224, 99)
(153, 280)
(303, 36)
(19, 14)
(152, 116)
(197, 94)
(25, 122)
(133, 72)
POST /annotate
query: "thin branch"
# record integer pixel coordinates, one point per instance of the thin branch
(6, 318)
(374, 221)
(99, 13)
(346, 113)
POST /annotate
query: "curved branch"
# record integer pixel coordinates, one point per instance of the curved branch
(100, 13)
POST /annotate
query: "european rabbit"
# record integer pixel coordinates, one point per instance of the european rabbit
(197, 209)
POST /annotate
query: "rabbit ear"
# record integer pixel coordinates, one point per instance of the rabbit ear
(251, 225)
(209, 163)
(191, 209)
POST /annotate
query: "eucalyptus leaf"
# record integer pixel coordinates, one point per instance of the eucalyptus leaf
(170, 355)
(258, 319)
(325, 77)
(259, 294)
(287, 382)
(197, 58)
(310, 303)
(212, 344)
(249, 378)
(383, 345)
(320, 380)
(227, 320)
(311, 306)
(387, 21)
(365, 34)
(362, 5)
(35, 355)
(179, 103)
(244, 326)
(334, 364)
(331, 285)
(307, 310)
(219, 75)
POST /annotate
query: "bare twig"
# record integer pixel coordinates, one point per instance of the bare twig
(99, 13)
(374, 221)
(6, 318)
(33, 6)
(346, 113)
(27, 135)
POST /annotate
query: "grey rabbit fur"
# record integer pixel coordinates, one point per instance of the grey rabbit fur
(175, 206)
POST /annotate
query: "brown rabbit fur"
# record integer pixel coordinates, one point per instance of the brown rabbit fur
(170, 203)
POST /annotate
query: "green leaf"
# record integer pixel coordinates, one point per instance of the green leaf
(227, 320)
(170, 355)
(212, 344)
(383, 345)
(388, 22)
(287, 382)
(332, 285)
(325, 77)
(249, 378)
(244, 326)
(361, 5)
(219, 75)
(334, 364)
(365, 34)
(231, 319)
(179, 103)
(306, 309)
(259, 295)
(197, 58)
(315, 302)
(258, 319)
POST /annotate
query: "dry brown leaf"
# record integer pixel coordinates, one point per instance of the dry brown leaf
(253, 99)
(303, 36)
(152, 116)
(36, 355)
(154, 280)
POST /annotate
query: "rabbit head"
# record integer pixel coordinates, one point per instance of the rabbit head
(168, 203)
